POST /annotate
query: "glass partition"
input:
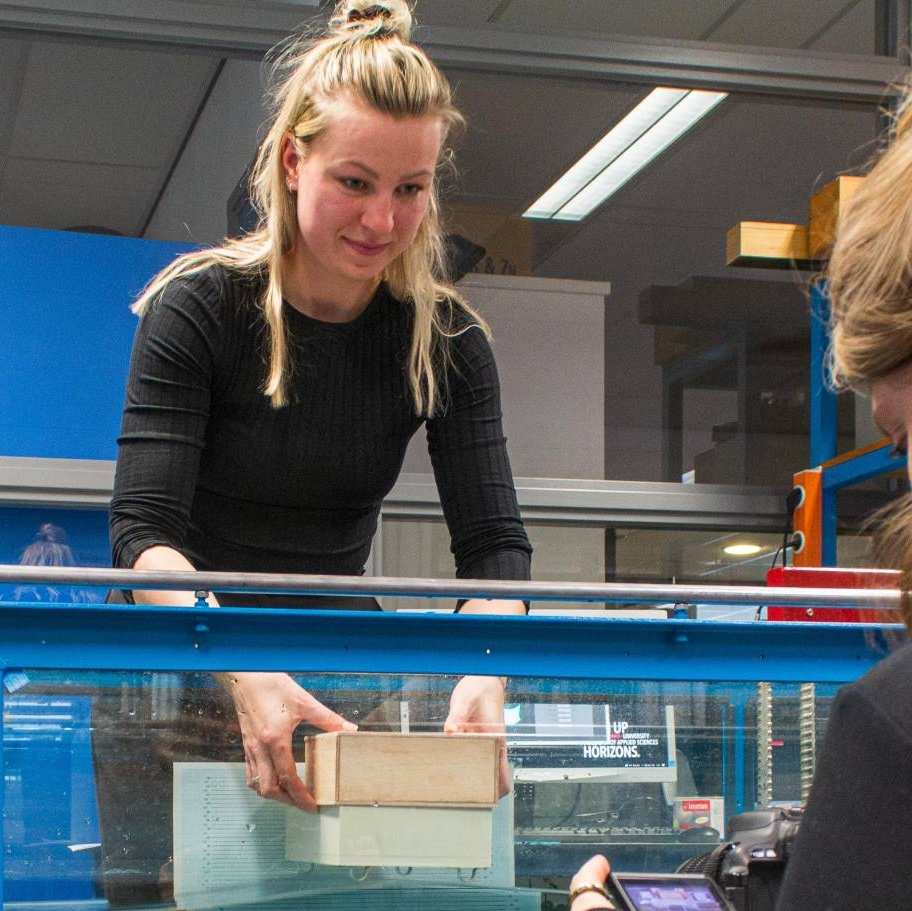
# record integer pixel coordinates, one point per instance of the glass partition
(131, 787)
(689, 370)
(591, 553)
(41, 536)
(635, 738)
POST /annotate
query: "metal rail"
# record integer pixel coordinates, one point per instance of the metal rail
(367, 586)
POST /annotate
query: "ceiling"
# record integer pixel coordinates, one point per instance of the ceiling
(150, 141)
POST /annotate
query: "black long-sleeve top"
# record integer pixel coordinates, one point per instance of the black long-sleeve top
(854, 846)
(207, 466)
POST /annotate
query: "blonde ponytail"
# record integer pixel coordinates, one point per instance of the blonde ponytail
(366, 52)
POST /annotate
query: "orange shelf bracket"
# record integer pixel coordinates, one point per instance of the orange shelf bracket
(808, 520)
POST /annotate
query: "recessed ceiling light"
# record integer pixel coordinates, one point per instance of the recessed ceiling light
(742, 550)
(660, 119)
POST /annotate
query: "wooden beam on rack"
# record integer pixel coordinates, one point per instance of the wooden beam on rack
(768, 244)
(774, 245)
(824, 213)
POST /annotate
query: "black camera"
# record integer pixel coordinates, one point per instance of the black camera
(750, 864)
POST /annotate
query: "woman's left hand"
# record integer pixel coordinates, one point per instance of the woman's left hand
(477, 707)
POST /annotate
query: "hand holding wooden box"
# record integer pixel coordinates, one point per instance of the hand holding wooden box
(414, 800)
(389, 769)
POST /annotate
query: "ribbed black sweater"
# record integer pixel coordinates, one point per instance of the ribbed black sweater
(207, 466)
(852, 851)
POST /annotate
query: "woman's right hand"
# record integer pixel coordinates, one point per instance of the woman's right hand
(269, 708)
(592, 873)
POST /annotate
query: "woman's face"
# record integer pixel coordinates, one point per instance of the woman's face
(363, 187)
(891, 406)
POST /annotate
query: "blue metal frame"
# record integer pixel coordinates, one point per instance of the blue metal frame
(47, 636)
(862, 468)
(824, 432)
(829, 544)
(2, 788)
(824, 427)
(854, 470)
(844, 474)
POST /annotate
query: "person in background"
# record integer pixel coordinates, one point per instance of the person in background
(852, 851)
(50, 547)
(277, 379)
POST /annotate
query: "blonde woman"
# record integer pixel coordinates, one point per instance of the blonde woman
(276, 380)
(852, 849)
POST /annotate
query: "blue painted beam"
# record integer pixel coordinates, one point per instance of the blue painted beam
(829, 554)
(824, 428)
(43, 636)
(862, 468)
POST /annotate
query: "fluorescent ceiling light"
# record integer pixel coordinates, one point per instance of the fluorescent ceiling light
(742, 550)
(660, 119)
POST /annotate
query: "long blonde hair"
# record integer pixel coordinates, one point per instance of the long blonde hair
(869, 282)
(869, 277)
(365, 52)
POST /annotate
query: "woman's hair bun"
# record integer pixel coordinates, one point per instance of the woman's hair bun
(377, 19)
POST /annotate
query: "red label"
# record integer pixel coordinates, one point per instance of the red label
(695, 806)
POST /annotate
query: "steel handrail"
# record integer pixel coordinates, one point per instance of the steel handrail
(367, 586)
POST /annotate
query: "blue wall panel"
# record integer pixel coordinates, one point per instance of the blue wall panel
(65, 336)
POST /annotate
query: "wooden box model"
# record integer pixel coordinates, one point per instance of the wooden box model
(396, 770)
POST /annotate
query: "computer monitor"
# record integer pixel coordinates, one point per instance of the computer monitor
(628, 739)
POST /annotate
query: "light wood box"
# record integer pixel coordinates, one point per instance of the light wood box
(388, 769)
(753, 243)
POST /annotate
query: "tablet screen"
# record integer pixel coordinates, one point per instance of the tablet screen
(671, 895)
